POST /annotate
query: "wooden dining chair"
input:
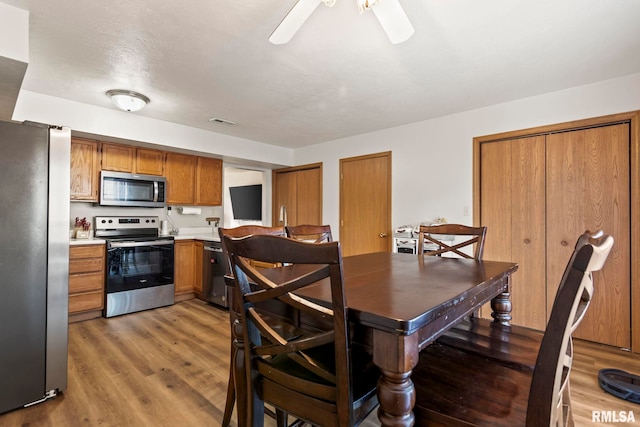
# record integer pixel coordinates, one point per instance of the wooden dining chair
(455, 387)
(320, 377)
(438, 235)
(516, 346)
(242, 231)
(310, 233)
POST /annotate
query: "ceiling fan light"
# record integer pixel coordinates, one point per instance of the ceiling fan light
(128, 100)
(366, 4)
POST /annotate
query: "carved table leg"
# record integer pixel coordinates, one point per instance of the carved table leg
(501, 306)
(396, 356)
(397, 396)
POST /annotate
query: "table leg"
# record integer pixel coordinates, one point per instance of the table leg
(501, 306)
(396, 356)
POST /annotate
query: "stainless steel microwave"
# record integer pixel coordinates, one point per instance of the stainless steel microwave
(127, 189)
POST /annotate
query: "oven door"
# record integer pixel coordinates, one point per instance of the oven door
(137, 265)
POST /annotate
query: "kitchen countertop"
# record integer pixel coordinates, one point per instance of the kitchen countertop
(91, 241)
(208, 234)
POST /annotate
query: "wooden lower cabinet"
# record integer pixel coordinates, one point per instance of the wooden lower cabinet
(197, 283)
(187, 273)
(184, 276)
(86, 281)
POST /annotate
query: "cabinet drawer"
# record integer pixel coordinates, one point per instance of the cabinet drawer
(86, 251)
(86, 301)
(84, 282)
(86, 265)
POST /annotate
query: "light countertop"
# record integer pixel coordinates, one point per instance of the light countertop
(207, 234)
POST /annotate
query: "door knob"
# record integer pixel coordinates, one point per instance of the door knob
(383, 235)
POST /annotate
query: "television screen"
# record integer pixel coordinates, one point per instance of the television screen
(246, 202)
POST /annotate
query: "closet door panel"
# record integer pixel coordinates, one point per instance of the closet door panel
(495, 207)
(309, 197)
(528, 235)
(588, 188)
(285, 192)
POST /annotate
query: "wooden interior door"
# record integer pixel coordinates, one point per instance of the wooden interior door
(512, 209)
(365, 204)
(588, 187)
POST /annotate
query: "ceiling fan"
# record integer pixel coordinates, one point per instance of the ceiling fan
(389, 13)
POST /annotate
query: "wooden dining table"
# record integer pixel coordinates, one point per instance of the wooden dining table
(400, 303)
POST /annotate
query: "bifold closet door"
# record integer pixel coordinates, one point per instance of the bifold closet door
(588, 187)
(513, 209)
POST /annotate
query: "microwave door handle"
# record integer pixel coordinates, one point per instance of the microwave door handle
(155, 191)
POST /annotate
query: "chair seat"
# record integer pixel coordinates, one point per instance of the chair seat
(515, 346)
(497, 396)
(283, 370)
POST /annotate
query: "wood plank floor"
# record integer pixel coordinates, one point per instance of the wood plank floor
(169, 366)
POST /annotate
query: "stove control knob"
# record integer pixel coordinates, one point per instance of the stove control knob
(103, 221)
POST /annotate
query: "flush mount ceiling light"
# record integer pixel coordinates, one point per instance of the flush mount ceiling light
(389, 13)
(128, 100)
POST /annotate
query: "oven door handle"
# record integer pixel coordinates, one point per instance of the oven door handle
(137, 244)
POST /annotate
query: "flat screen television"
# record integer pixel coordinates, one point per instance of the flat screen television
(246, 202)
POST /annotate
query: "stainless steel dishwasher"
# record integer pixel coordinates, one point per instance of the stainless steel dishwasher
(213, 285)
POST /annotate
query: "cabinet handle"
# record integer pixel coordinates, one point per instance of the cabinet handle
(564, 243)
(382, 235)
(527, 241)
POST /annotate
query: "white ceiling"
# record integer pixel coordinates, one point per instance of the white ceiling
(339, 76)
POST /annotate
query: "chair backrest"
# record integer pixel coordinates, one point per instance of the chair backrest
(548, 397)
(310, 233)
(243, 231)
(443, 235)
(302, 264)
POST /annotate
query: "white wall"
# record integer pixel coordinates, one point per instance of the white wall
(113, 123)
(433, 159)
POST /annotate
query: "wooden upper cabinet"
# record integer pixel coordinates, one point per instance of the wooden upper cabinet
(117, 157)
(209, 182)
(85, 169)
(180, 171)
(149, 162)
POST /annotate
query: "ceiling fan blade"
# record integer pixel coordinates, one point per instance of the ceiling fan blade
(393, 20)
(293, 21)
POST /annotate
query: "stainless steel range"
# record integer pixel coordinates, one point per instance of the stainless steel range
(139, 264)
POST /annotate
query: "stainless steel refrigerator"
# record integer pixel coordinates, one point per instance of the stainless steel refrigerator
(34, 262)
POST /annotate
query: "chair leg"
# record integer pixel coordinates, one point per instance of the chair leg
(281, 418)
(231, 391)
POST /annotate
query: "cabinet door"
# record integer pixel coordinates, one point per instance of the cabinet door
(198, 249)
(184, 266)
(84, 170)
(149, 162)
(209, 182)
(588, 188)
(180, 171)
(117, 157)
